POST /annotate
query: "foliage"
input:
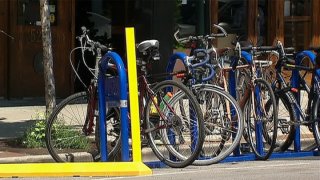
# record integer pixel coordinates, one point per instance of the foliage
(35, 135)
(62, 134)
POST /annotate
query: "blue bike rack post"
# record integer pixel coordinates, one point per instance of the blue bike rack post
(113, 93)
(170, 67)
(233, 91)
(180, 56)
(295, 82)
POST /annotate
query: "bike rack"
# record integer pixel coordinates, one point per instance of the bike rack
(295, 82)
(180, 56)
(258, 126)
(237, 155)
(297, 145)
(113, 93)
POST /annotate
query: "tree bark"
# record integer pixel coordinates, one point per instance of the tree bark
(47, 57)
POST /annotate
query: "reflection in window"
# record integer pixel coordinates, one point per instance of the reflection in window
(297, 23)
(232, 16)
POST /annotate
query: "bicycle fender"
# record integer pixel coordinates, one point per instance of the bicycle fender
(247, 56)
(304, 54)
(295, 80)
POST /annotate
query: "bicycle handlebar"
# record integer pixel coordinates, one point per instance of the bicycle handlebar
(223, 34)
(201, 37)
(259, 48)
(204, 63)
(94, 44)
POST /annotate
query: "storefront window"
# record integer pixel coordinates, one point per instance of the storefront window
(194, 13)
(232, 16)
(297, 23)
(27, 12)
(262, 22)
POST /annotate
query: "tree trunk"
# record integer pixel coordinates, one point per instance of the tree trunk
(47, 57)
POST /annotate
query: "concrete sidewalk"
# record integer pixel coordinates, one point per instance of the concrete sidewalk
(16, 116)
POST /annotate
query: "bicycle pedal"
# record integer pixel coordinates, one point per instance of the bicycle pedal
(245, 148)
(144, 143)
(96, 113)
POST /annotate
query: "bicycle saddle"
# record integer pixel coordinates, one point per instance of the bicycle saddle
(145, 45)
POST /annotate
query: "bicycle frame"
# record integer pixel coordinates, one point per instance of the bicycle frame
(147, 93)
(296, 81)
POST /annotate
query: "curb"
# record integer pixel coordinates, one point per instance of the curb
(27, 159)
(41, 159)
(147, 156)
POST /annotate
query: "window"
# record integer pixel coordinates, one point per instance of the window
(297, 25)
(232, 16)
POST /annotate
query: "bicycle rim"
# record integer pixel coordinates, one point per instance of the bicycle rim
(306, 131)
(286, 114)
(261, 124)
(223, 122)
(65, 138)
(69, 135)
(316, 124)
(113, 132)
(179, 141)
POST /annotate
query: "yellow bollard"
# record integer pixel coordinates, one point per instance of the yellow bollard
(133, 95)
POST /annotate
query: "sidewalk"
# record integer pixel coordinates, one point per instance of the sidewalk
(15, 118)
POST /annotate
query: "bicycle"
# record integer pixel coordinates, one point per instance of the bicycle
(175, 139)
(303, 113)
(257, 100)
(77, 115)
(222, 115)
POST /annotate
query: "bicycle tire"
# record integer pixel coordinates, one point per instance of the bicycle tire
(316, 123)
(269, 128)
(174, 145)
(223, 129)
(65, 139)
(286, 130)
(113, 134)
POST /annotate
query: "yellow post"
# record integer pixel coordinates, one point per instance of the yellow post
(133, 95)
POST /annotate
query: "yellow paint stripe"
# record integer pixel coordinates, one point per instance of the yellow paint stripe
(133, 95)
(74, 169)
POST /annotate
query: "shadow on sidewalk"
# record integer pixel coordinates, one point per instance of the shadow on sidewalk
(12, 130)
(22, 102)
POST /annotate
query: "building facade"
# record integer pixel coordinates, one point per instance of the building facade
(295, 22)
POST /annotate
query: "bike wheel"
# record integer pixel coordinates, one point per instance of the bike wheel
(286, 114)
(113, 131)
(223, 121)
(316, 119)
(175, 138)
(261, 124)
(70, 135)
(306, 131)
